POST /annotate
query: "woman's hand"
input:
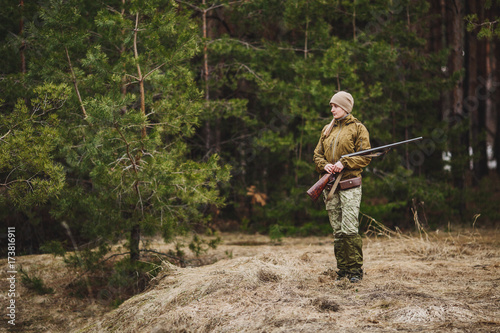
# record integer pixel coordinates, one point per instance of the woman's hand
(334, 168)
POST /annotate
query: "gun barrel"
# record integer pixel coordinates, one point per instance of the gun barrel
(368, 151)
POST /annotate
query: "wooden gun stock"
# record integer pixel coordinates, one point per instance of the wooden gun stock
(315, 191)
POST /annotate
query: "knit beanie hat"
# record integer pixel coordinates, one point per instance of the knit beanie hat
(344, 100)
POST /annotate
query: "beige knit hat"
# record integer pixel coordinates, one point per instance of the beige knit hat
(344, 100)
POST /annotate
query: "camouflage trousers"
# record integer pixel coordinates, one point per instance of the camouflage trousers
(343, 211)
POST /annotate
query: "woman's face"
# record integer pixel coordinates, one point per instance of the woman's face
(337, 111)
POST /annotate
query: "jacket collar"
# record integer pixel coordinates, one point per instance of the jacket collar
(347, 119)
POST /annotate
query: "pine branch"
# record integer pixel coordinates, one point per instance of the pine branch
(3, 136)
(238, 41)
(209, 8)
(252, 72)
(127, 147)
(153, 70)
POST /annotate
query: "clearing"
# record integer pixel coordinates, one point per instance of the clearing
(444, 282)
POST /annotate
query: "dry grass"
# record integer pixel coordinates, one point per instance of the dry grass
(438, 282)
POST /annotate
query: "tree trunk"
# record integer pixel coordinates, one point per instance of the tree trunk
(496, 109)
(456, 40)
(123, 88)
(140, 77)
(208, 130)
(437, 39)
(135, 232)
(473, 105)
(135, 238)
(481, 94)
(445, 96)
(21, 33)
(459, 145)
(484, 96)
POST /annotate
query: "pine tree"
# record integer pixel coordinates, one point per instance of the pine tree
(133, 104)
(29, 138)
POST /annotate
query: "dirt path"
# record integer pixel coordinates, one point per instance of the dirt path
(446, 283)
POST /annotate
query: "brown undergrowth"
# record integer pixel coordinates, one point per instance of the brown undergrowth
(444, 282)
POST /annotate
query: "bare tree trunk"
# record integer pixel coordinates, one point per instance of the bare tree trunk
(445, 96)
(471, 103)
(457, 61)
(496, 108)
(481, 93)
(21, 33)
(208, 131)
(123, 88)
(483, 98)
(135, 232)
(459, 145)
(139, 74)
(354, 21)
(218, 134)
(495, 97)
(135, 238)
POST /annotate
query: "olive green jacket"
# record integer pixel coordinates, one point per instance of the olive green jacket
(348, 135)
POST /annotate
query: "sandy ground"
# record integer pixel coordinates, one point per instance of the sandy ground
(444, 282)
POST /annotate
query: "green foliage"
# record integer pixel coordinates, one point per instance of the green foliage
(34, 283)
(288, 78)
(483, 200)
(199, 245)
(178, 250)
(486, 29)
(123, 147)
(29, 138)
(54, 247)
(87, 259)
(115, 130)
(125, 274)
(275, 233)
(114, 282)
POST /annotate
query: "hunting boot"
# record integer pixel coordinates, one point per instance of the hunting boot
(354, 257)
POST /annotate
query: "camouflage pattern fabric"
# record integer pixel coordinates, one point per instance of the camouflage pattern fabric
(343, 211)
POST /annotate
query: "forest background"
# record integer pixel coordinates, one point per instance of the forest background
(125, 119)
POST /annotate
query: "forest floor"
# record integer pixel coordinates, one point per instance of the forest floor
(439, 282)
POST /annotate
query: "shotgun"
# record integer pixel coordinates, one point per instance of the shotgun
(315, 191)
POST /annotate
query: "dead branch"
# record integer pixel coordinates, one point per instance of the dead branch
(75, 83)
